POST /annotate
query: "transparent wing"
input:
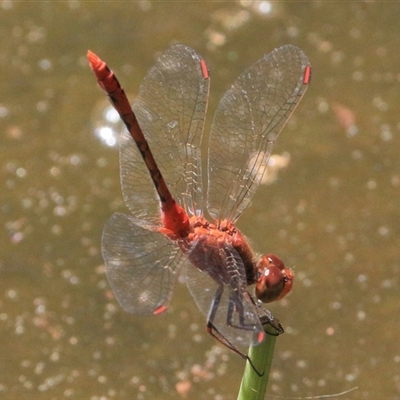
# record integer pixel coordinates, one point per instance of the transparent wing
(141, 265)
(246, 124)
(233, 314)
(170, 108)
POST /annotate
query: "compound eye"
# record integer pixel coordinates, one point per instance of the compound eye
(274, 280)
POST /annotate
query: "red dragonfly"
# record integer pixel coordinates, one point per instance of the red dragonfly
(171, 226)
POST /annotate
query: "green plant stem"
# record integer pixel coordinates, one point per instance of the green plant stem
(253, 387)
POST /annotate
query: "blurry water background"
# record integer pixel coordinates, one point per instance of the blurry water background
(333, 213)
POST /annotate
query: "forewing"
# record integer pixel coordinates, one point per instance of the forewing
(170, 108)
(246, 124)
(141, 265)
(246, 324)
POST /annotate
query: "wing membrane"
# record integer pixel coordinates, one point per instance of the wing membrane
(141, 264)
(246, 124)
(170, 108)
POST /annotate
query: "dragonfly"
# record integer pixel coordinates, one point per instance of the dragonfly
(180, 224)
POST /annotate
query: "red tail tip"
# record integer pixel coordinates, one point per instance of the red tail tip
(94, 60)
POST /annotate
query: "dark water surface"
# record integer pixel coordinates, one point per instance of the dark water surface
(333, 214)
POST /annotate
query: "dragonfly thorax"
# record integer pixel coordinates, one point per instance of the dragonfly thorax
(212, 243)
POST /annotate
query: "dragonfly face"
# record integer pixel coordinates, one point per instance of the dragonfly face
(274, 281)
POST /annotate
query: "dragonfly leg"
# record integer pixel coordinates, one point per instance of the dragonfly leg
(238, 306)
(271, 325)
(214, 332)
(211, 328)
(235, 304)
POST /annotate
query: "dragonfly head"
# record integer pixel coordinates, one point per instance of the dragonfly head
(274, 280)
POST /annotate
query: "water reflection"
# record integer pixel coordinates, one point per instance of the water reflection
(107, 125)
